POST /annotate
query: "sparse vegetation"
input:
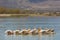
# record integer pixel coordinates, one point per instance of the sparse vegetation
(25, 13)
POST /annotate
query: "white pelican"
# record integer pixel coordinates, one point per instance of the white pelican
(42, 31)
(17, 32)
(9, 32)
(34, 31)
(50, 31)
(47, 31)
(24, 32)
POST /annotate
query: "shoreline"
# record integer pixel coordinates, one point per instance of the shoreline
(24, 15)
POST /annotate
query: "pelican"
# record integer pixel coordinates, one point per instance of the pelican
(50, 31)
(34, 31)
(17, 32)
(24, 32)
(9, 32)
(47, 31)
(40, 31)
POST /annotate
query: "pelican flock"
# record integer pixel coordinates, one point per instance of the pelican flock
(30, 32)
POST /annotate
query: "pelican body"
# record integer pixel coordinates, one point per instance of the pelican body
(9, 32)
(17, 32)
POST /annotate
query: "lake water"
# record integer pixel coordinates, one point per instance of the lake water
(30, 22)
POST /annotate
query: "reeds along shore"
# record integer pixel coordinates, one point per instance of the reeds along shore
(30, 32)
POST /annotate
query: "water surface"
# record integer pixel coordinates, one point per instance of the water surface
(30, 22)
